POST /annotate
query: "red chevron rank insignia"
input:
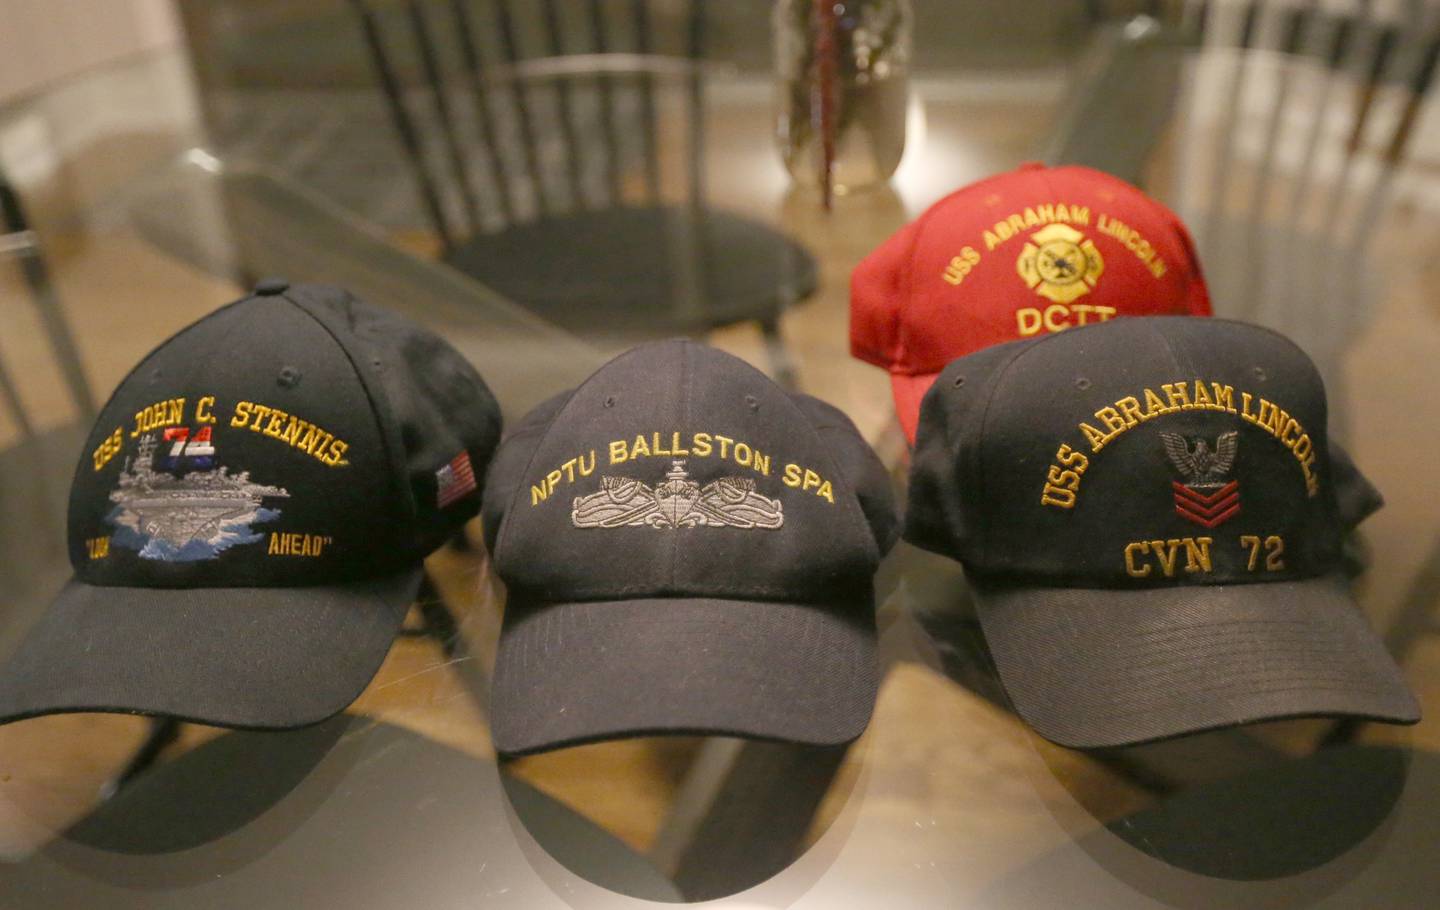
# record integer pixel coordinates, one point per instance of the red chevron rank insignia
(1208, 510)
(1206, 498)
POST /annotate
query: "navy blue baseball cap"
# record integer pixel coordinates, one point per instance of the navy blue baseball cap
(687, 548)
(1147, 511)
(249, 514)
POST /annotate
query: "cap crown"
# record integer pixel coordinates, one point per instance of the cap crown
(1025, 253)
(1155, 451)
(678, 470)
(287, 439)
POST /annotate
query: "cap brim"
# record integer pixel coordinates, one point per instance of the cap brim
(909, 391)
(579, 672)
(1095, 668)
(260, 658)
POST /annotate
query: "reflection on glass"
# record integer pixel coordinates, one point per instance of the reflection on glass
(867, 99)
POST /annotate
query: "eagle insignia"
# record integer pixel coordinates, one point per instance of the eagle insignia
(1206, 497)
(677, 502)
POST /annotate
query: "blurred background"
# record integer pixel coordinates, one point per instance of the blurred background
(547, 183)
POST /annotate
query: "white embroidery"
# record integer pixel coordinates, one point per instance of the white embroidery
(677, 502)
(197, 515)
(1201, 467)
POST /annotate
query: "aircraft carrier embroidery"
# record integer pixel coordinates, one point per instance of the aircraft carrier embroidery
(190, 517)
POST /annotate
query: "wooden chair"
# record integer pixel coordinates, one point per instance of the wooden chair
(1284, 241)
(19, 240)
(535, 139)
(1280, 245)
(35, 469)
(35, 472)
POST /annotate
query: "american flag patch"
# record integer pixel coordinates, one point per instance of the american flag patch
(454, 480)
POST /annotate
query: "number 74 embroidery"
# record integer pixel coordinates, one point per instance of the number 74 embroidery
(183, 445)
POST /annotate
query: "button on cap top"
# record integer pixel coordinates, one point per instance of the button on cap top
(269, 287)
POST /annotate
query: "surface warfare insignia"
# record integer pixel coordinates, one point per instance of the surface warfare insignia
(1059, 263)
(184, 518)
(677, 502)
(1205, 497)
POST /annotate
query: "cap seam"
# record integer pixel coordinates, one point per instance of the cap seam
(685, 386)
(997, 377)
(1183, 367)
(858, 524)
(847, 427)
(901, 349)
(395, 471)
(1294, 348)
(528, 431)
(501, 534)
(909, 372)
(601, 594)
(543, 433)
(920, 225)
(866, 532)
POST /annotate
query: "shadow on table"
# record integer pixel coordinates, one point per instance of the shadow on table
(349, 813)
(1228, 804)
(1351, 826)
(213, 791)
(1278, 822)
(739, 817)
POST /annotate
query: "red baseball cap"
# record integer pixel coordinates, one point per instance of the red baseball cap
(1019, 254)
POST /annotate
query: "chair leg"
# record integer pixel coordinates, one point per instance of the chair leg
(461, 541)
(11, 396)
(440, 625)
(781, 363)
(163, 732)
(36, 274)
(438, 622)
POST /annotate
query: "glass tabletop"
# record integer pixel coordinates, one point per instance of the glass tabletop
(158, 189)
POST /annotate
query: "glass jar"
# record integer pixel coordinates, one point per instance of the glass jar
(869, 90)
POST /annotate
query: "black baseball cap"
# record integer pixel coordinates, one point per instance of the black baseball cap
(1147, 512)
(687, 548)
(250, 512)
